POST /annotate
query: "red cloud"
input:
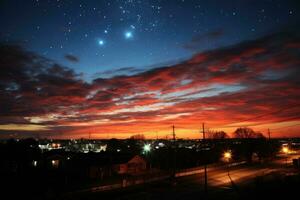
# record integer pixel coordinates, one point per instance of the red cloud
(252, 83)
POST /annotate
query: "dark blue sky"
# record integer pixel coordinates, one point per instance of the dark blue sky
(108, 35)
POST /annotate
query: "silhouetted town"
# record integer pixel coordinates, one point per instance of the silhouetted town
(62, 169)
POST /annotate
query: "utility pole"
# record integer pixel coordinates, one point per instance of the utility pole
(174, 136)
(174, 153)
(205, 167)
(269, 133)
(203, 132)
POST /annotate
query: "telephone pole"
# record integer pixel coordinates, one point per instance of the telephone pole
(174, 136)
(174, 153)
(203, 132)
(269, 133)
(205, 167)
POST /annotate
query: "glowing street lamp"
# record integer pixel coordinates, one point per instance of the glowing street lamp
(227, 156)
(286, 151)
(147, 148)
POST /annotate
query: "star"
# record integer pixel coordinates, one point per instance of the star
(101, 42)
(128, 35)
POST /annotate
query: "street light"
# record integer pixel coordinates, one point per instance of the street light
(227, 157)
(147, 148)
(286, 150)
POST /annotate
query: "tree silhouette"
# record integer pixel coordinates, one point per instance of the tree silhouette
(219, 135)
(245, 132)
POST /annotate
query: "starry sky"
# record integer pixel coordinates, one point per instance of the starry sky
(121, 67)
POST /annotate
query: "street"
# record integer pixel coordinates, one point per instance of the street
(223, 181)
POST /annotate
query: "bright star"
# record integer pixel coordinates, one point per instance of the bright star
(101, 42)
(105, 31)
(128, 35)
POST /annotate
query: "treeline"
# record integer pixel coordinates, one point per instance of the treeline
(245, 145)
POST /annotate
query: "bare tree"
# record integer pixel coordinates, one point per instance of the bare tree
(217, 134)
(245, 132)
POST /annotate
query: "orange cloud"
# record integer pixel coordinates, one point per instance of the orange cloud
(254, 84)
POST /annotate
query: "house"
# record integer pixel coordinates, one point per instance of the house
(106, 165)
(98, 165)
(54, 159)
(132, 165)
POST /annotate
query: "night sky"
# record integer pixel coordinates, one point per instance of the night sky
(117, 68)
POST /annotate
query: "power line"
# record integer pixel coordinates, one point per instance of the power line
(260, 116)
(257, 117)
(285, 127)
(258, 123)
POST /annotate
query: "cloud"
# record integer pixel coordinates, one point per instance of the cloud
(198, 40)
(220, 87)
(208, 35)
(71, 58)
(119, 72)
(33, 85)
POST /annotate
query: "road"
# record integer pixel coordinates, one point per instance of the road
(223, 182)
